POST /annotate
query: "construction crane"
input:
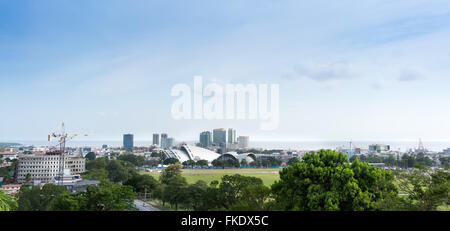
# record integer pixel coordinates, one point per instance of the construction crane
(62, 138)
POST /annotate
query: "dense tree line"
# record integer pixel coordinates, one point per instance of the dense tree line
(406, 161)
(105, 197)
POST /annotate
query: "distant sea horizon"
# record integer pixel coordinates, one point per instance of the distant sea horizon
(435, 146)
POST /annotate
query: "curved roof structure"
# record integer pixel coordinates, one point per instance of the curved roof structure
(188, 152)
(249, 157)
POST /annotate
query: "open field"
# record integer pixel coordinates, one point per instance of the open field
(269, 176)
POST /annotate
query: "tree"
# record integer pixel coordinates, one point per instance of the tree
(426, 191)
(326, 181)
(7, 202)
(120, 171)
(189, 163)
(175, 190)
(68, 202)
(90, 156)
(169, 172)
(230, 190)
(49, 194)
(107, 197)
(202, 163)
(37, 199)
(169, 161)
(254, 198)
(96, 174)
(142, 183)
(28, 177)
(134, 159)
(293, 161)
(195, 194)
(99, 163)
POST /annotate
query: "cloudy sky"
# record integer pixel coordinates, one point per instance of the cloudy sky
(361, 70)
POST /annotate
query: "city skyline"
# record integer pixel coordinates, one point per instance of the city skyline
(346, 70)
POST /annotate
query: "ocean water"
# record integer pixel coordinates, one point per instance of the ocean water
(290, 145)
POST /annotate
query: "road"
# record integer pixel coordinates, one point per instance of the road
(141, 206)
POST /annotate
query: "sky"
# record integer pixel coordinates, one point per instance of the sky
(373, 70)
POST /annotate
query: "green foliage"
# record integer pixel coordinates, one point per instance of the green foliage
(175, 189)
(326, 181)
(120, 171)
(169, 172)
(425, 190)
(99, 163)
(189, 163)
(37, 199)
(195, 195)
(96, 174)
(230, 190)
(202, 163)
(253, 198)
(90, 156)
(113, 170)
(293, 161)
(105, 197)
(407, 161)
(134, 159)
(270, 162)
(142, 183)
(226, 163)
(170, 161)
(7, 202)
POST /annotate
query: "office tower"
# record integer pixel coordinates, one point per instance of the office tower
(231, 135)
(164, 142)
(206, 139)
(379, 148)
(128, 142)
(155, 139)
(167, 142)
(219, 136)
(243, 141)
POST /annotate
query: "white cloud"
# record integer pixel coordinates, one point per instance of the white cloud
(326, 72)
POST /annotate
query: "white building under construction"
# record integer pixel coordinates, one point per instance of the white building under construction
(45, 167)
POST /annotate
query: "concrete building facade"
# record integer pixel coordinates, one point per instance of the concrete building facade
(45, 168)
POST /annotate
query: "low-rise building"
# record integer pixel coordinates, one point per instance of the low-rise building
(10, 189)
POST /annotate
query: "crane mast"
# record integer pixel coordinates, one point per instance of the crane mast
(62, 149)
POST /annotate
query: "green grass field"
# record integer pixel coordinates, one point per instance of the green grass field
(269, 176)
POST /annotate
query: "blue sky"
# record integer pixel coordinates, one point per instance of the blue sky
(362, 70)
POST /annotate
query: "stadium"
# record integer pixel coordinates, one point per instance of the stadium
(188, 152)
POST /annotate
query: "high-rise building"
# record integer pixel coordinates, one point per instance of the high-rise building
(243, 141)
(206, 139)
(379, 148)
(219, 136)
(447, 151)
(128, 141)
(155, 139)
(164, 136)
(167, 142)
(231, 136)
